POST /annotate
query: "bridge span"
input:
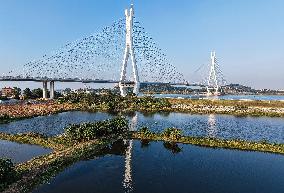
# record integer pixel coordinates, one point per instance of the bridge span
(122, 53)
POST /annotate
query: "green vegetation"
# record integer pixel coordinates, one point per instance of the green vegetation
(37, 93)
(90, 131)
(234, 107)
(242, 104)
(172, 134)
(4, 118)
(56, 143)
(114, 102)
(8, 174)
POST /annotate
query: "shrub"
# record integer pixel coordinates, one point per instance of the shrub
(145, 131)
(8, 173)
(172, 133)
(89, 131)
(4, 117)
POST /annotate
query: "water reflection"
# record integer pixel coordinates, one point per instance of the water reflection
(20, 152)
(133, 122)
(173, 147)
(212, 128)
(155, 169)
(219, 126)
(127, 181)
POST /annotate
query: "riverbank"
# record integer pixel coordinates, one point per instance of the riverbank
(211, 142)
(234, 107)
(114, 103)
(13, 112)
(41, 169)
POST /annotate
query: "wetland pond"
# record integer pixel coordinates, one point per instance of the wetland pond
(158, 167)
(20, 152)
(218, 126)
(135, 166)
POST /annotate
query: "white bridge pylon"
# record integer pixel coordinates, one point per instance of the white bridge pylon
(212, 83)
(129, 52)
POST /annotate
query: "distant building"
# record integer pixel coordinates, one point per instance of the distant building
(7, 92)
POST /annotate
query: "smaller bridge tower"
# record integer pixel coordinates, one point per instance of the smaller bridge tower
(129, 51)
(215, 76)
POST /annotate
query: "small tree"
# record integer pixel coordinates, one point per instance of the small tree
(16, 92)
(37, 93)
(27, 93)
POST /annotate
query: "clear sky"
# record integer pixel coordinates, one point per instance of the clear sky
(247, 35)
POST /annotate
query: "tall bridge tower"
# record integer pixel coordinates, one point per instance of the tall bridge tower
(129, 52)
(212, 82)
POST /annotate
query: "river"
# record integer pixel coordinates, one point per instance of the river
(224, 97)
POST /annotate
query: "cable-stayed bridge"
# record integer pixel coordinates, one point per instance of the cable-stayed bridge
(122, 53)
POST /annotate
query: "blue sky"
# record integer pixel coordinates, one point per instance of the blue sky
(247, 35)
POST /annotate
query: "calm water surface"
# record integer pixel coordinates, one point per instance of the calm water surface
(219, 126)
(154, 168)
(20, 152)
(224, 97)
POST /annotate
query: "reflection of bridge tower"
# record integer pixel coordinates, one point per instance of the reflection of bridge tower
(129, 51)
(127, 182)
(212, 129)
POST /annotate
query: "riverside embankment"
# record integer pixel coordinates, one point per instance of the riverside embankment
(234, 107)
(115, 103)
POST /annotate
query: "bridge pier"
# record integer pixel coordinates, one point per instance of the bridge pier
(44, 89)
(123, 90)
(51, 90)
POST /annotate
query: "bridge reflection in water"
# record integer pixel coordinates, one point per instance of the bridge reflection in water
(212, 128)
(128, 181)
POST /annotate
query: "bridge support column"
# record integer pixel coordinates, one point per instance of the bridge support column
(51, 89)
(123, 90)
(44, 90)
